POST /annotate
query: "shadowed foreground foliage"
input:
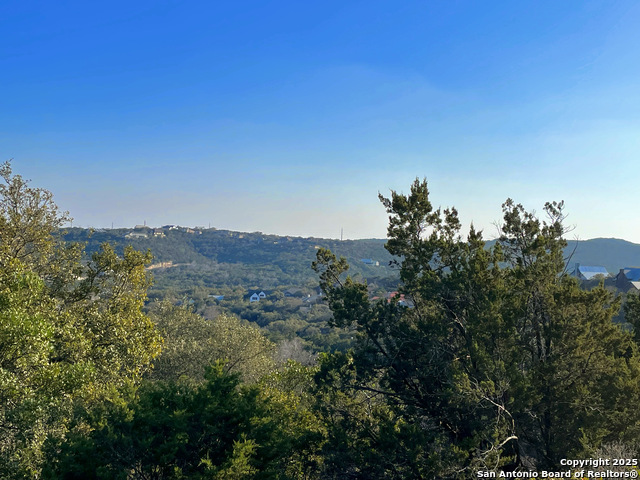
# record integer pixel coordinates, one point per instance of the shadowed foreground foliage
(216, 429)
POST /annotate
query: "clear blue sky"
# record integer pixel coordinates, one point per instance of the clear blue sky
(289, 117)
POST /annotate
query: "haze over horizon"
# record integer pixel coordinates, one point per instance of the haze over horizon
(289, 118)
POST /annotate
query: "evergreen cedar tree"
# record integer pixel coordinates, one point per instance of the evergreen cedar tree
(501, 363)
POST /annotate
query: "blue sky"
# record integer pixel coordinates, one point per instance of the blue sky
(289, 117)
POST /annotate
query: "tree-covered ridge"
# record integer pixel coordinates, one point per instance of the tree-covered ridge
(212, 264)
(242, 256)
(221, 257)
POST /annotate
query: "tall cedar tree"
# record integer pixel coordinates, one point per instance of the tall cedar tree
(500, 361)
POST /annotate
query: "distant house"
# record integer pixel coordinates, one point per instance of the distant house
(369, 261)
(257, 296)
(311, 299)
(587, 272)
(217, 297)
(628, 278)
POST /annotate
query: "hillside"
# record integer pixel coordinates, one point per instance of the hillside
(611, 253)
(199, 266)
(221, 257)
(211, 257)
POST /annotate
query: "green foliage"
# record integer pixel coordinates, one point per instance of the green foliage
(302, 432)
(191, 343)
(70, 334)
(33, 388)
(287, 318)
(501, 361)
(632, 314)
(366, 438)
(219, 429)
(579, 370)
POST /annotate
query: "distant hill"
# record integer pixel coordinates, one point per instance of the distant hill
(215, 271)
(611, 253)
(225, 257)
(271, 260)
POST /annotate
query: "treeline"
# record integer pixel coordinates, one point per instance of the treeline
(495, 361)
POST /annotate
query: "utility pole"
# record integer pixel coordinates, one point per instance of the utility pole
(341, 231)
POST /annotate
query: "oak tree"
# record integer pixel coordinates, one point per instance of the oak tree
(72, 332)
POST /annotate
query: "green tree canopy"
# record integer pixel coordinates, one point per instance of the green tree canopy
(218, 429)
(71, 333)
(192, 343)
(499, 361)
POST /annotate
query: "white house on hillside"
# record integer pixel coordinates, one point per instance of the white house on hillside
(256, 297)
